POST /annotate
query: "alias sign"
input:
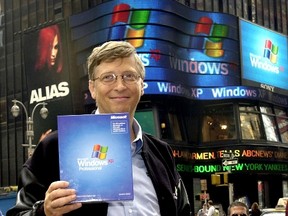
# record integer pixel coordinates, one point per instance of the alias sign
(49, 92)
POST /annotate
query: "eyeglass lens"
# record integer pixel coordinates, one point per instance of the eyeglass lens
(128, 78)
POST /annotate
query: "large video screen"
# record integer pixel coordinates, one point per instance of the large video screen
(264, 58)
(177, 44)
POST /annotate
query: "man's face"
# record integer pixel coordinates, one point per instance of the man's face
(119, 96)
(238, 211)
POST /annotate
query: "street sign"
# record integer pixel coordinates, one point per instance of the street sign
(228, 155)
(203, 183)
(204, 196)
(230, 162)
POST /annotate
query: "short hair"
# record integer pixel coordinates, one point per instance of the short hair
(110, 51)
(235, 204)
(254, 206)
(210, 202)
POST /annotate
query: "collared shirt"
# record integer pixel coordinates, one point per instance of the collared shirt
(145, 201)
(211, 210)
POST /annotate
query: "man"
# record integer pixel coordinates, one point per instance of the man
(237, 209)
(203, 211)
(211, 208)
(116, 76)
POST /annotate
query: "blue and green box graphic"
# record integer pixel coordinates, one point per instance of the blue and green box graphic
(95, 156)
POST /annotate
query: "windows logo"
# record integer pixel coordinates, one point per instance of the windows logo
(213, 43)
(270, 51)
(99, 152)
(128, 24)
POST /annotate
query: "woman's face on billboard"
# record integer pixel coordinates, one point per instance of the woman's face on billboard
(54, 51)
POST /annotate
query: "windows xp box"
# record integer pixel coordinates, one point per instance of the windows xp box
(95, 156)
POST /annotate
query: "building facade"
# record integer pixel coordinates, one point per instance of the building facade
(207, 92)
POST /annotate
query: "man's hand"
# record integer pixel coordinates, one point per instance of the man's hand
(58, 198)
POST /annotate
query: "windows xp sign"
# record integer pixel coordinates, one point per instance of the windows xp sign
(264, 58)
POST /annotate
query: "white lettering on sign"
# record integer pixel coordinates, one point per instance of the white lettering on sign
(49, 92)
(267, 87)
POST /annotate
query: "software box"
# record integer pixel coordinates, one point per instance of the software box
(95, 156)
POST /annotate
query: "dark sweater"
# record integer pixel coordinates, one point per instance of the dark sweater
(42, 169)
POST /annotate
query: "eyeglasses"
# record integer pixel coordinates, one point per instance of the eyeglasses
(110, 78)
(238, 215)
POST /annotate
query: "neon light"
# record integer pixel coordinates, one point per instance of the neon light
(237, 153)
(215, 34)
(129, 24)
(271, 51)
(241, 167)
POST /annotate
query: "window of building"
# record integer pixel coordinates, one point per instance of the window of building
(170, 125)
(191, 120)
(146, 120)
(2, 21)
(3, 112)
(269, 123)
(58, 10)
(282, 122)
(1, 37)
(250, 122)
(165, 130)
(218, 123)
(174, 122)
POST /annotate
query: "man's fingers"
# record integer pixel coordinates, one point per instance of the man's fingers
(57, 185)
(61, 200)
(58, 199)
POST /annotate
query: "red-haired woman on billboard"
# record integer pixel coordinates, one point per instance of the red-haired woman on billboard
(49, 50)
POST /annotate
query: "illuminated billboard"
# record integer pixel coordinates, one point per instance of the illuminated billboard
(47, 72)
(174, 41)
(263, 58)
(186, 52)
(250, 159)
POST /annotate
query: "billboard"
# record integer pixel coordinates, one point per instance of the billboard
(249, 158)
(176, 43)
(264, 58)
(45, 59)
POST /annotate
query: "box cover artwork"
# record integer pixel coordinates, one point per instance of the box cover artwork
(95, 156)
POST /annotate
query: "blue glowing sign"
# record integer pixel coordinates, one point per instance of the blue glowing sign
(264, 58)
(214, 93)
(175, 42)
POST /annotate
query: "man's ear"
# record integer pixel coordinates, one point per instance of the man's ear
(92, 89)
